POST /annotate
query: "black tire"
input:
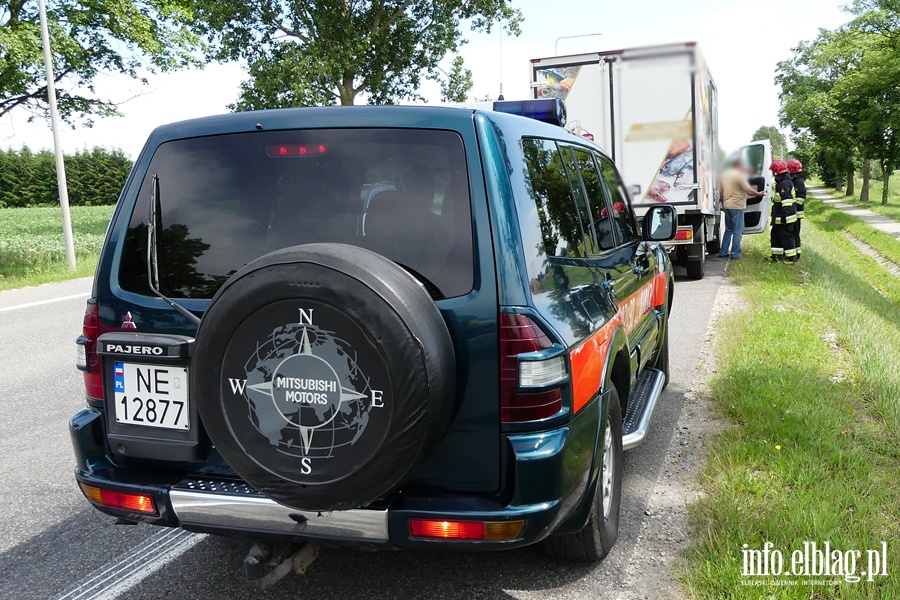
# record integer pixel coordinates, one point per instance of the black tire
(598, 536)
(323, 374)
(696, 268)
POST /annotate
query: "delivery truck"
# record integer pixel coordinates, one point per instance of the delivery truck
(654, 111)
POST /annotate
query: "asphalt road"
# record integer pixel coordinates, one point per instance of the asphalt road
(53, 545)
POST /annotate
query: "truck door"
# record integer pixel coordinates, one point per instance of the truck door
(757, 157)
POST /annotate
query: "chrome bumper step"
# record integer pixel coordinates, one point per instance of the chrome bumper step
(234, 505)
(641, 404)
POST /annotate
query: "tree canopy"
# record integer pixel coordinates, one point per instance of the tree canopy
(842, 90)
(87, 37)
(771, 133)
(332, 51)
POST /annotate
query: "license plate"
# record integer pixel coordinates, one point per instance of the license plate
(151, 395)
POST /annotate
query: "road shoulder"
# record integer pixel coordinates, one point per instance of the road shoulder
(665, 532)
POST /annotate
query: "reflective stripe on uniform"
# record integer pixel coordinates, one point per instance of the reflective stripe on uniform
(777, 250)
(790, 218)
(791, 252)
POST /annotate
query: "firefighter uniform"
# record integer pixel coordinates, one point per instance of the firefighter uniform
(795, 168)
(784, 216)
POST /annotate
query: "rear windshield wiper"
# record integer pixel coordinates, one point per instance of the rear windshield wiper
(152, 256)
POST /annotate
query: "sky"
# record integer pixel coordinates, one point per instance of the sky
(742, 41)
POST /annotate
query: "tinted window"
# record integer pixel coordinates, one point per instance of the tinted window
(581, 202)
(548, 185)
(598, 211)
(622, 215)
(229, 199)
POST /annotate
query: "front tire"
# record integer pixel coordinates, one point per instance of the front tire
(598, 536)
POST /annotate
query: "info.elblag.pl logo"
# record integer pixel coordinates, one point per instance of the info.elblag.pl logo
(824, 563)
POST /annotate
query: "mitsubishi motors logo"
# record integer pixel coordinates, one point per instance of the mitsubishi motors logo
(128, 323)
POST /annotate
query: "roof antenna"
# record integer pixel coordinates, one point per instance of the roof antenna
(500, 97)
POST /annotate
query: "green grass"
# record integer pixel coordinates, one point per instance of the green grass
(32, 248)
(891, 209)
(809, 383)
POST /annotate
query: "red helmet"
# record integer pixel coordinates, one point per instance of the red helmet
(778, 166)
(794, 165)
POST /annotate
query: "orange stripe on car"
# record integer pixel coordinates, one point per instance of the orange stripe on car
(587, 358)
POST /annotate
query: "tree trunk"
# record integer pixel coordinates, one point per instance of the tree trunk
(851, 181)
(346, 91)
(867, 175)
(838, 181)
(885, 182)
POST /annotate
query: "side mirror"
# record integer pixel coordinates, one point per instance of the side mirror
(660, 223)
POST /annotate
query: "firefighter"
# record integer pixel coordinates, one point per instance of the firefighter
(784, 215)
(795, 168)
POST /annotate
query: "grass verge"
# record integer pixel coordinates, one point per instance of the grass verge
(891, 209)
(835, 220)
(32, 249)
(809, 381)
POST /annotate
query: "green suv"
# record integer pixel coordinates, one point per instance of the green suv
(414, 327)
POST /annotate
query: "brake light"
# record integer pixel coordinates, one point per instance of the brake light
(520, 335)
(466, 530)
(290, 150)
(130, 502)
(88, 359)
(684, 234)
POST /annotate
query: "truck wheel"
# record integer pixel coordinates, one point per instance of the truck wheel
(598, 536)
(696, 268)
(323, 374)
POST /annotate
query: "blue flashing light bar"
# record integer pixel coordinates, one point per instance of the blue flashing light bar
(548, 110)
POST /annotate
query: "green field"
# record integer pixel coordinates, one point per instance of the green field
(808, 385)
(32, 248)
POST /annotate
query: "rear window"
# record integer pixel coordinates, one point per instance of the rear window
(229, 199)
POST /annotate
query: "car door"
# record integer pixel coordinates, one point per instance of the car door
(757, 156)
(636, 264)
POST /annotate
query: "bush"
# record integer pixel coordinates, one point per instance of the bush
(94, 177)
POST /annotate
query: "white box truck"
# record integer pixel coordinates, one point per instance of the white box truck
(654, 111)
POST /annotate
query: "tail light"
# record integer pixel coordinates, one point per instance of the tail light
(489, 531)
(530, 377)
(684, 234)
(130, 502)
(88, 359)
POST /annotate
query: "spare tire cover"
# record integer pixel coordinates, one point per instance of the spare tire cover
(323, 374)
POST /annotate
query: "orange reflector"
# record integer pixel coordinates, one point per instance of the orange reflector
(466, 530)
(131, 502)
(684, 234)
(506, 530)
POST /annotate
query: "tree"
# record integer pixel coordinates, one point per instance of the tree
(772, 134)
(844, 89)
(331, 51)
(87, 37)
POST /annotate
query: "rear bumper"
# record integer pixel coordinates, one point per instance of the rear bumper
(552, 471)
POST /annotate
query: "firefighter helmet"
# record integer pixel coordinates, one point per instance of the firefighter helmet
(794, 165)
(778, 166)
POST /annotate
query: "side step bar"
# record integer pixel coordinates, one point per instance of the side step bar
(641, 403)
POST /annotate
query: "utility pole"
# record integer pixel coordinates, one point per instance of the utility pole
(57, 146)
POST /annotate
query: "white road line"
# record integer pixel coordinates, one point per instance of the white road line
(50, 301)
(113, 580)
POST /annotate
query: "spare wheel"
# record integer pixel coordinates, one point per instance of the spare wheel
(323, 374)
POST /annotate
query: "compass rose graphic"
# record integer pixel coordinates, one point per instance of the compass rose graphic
(306, 391)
